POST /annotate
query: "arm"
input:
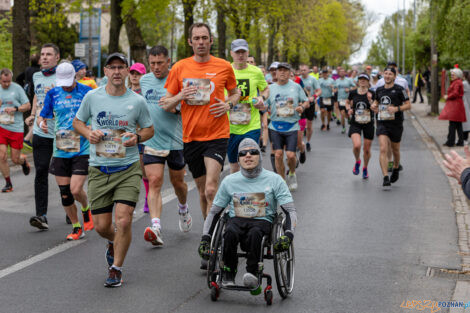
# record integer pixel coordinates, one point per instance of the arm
(221, 107)
(264, 95)
(30, 119)
(169, 102)
(211, 220)
(291, 218)
(22, 108)
(144, 133)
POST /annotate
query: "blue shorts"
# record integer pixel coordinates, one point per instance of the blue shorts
(234, 141)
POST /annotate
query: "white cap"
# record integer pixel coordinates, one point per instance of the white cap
(65, 75)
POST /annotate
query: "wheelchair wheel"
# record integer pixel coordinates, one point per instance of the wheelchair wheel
(284, 263)
(213, 267)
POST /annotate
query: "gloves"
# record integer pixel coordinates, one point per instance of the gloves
(204, 247)
(283, 243)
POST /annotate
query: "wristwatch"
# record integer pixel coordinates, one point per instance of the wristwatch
(398, 108)
(138, 138)
(16, 108)
(264, 98)
(230, 105)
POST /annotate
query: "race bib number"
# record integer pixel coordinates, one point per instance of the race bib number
(249, 205)
(111, 145)
(6, 118)
(240, 114)
(285, 108)
(342, 103)
(155, 152)
(67, 140)
(326, 101)
(384, 115)
(363, 116)
(204, 90)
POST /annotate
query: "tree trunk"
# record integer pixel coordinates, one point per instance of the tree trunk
(188, 7)
(221, 29)
(21, 37)
(115, 27)
(271, 34)
(136, 40)
(257, 40)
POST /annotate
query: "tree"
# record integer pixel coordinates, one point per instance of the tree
(188, 10)
(6, 42)
(115, 27)
(21, 38)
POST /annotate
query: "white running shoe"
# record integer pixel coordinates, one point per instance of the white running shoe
(250, 280)
(292, 182)
(185, 222)
(153, 235)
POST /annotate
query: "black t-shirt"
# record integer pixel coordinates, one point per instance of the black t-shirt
(394, 96)
(361, 106)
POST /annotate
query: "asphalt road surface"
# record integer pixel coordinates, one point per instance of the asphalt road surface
(358, 248)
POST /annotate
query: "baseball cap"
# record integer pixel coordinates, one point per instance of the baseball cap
(78, 65)
(239, 44)
(324, 71)
(363, 75)
(116, 55)
(368, 67)
(284, 65)
(65, 75)
(392, 63)
(391, 69)
(139, 67)
(273, 65)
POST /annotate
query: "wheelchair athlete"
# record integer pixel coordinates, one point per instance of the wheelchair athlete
(253, 194)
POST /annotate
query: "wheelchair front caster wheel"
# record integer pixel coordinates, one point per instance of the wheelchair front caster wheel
(268, 296)
(214, 293)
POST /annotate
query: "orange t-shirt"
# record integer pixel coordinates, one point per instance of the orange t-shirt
(211, 78)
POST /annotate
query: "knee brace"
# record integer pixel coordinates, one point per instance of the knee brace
(66, 195)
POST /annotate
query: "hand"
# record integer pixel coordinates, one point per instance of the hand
(283, 243)
(346, 89)
(29, 120)
(43, 126)
(369, 96)
(46, 89)
(204, 247)
(165, 103)
(95, 136)
(311, 99)
(188, 92)
(350, 112)
(445, 97)
(131, 141)
(392, 109)
(260, 104)
(10, 110)
(456, 164)
(374, 107)
(299, 109)
(219, 108)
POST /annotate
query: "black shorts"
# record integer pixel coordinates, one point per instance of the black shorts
(195, 151)
(394, 131)
(66, 167)
(366, 129)
(342, 108)
(309, 113)
(174, 159)
(281, 139)
(329, 108)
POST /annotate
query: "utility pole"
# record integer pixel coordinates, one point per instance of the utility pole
(434, 74)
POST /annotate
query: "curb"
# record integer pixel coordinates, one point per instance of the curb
(428, 133)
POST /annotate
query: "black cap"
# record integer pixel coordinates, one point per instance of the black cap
(283, 65)
(324, 71)
(391, 69)
(116, 55)
(363, 75)
(392, 63)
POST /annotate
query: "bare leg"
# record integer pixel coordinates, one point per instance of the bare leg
(367, 154)
(356, 140)
(213, 169)
(291, 161)
(104, 225)
(384, 142)
(155, 174)
(70, 210)
(123, 236)
(396, 154)
(76, 186)
(4, 168)
(280, 168)
(180, 186)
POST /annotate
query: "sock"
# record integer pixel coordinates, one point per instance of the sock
(7, 179)
(116, 267)
(85, 209)
(291, 173)
(364, 168)
(156, 222)
(358, 162)
(183, 208)
(111, 242)
(77, 225)
(146, 185)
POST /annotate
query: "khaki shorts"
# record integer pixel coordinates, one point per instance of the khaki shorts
(106, 189)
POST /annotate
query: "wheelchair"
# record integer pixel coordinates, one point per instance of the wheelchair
(283, 262)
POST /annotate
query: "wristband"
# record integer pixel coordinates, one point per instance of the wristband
(264, 98)
(40, 124)
(398, 108)
(230, 104)
(16, 108)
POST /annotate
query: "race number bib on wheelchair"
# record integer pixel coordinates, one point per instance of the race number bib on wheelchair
(249, 205)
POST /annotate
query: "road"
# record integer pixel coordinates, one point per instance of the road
(358, 248)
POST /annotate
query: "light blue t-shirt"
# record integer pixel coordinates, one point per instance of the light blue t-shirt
(114, 116)
(310, 84)
(168, 126)
(13, 96)
(64, 106)
(325, 85)
(342, 84)
(256, 198)
(42, 82)
(282, 101)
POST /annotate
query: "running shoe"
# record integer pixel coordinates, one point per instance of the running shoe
(328, 127)
(109, 253)
(228, 278)
(28, 144)
(153, 235)
(39, 222)
(322, 128)
(343, 130)
(309, 148)
(8, 188)
(302, 157)
(386, 184)
(114, 278)
(250, 280)
(292, 182)
(25, 166)
(395, 175)
(356, 168)
(185, 222)
(400, 168)
(365, 174)
(338, 122)
(76, 234)
(87, 220)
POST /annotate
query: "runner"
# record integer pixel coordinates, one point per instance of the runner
(327, 85)
(315, 74)
(271, 76)
(114, 169)
(199, 82)
(166, 146)
(251, 60)
(358, 106)
(71, 151)
(13, 102)
(245, 116)
(343, 85)
(314, 91)
(286, 102)
(80, 70)
(270, 79)
(43, 143)
(390, 102)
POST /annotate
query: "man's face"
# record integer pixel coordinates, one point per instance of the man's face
(241, 56)
(201, 41)
(342, 73)
(324, 75)
(249, 162)
(251, 60)
(315, 69)
(304, 71)
(81, 73)
(283, 74)
(5, 81)
(116, 71)
(389, 77)
(159, 65)
(273, 73)
(363, 82)
(49, 58)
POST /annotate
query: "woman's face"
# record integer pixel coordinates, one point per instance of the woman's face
(453, 76)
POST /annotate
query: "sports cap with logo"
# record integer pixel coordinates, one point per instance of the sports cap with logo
(239, 44)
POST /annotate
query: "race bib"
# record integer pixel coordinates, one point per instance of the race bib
(249, 205)
(342, 103)
(204, 90)
(67, 140)
(155, 152)
(326, 101)
(285, 108)
(111, 145)
(362, 116)
(384, 115)
(6, 118)
(240, 114)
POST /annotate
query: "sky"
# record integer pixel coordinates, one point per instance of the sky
(380, 9)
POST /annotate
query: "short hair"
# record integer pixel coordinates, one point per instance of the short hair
(457, 72)
(158, 50)
(199, 25)
(5, 72)
(305, 65)
(51, 45)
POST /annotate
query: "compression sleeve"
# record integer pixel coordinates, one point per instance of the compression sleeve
(291, 217)
(465, 179)
(212, 219)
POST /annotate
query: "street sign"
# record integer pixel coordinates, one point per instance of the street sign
(80, 50)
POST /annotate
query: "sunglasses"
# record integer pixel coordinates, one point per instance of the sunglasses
(243, 153)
